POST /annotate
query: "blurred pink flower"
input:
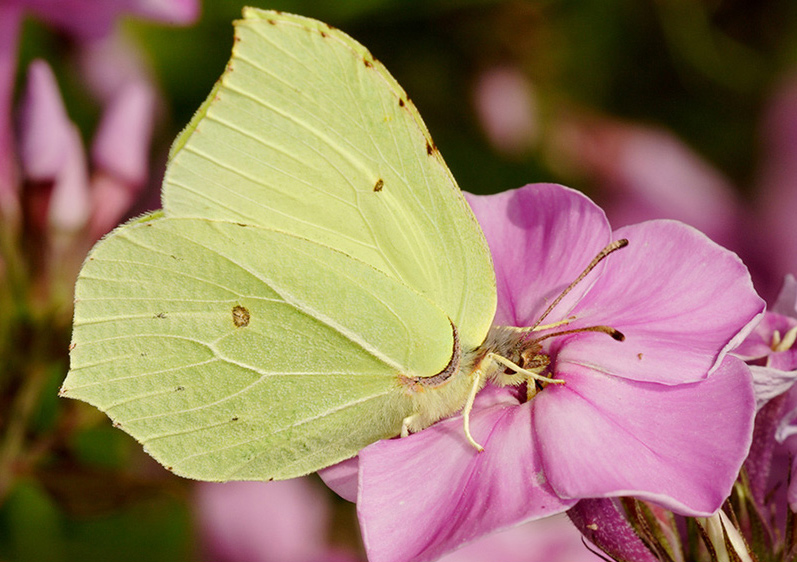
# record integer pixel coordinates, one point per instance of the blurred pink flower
(285, 521)
(647, 173)
(682, 303)
(506, 106)
(63, 194)
(772, 354)
(553, 539)
(89, 19)
(51, 153)
(10, 18)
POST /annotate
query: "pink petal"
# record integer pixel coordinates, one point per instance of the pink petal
(70, 204)
(778, 183)
(45, 128)
(173, 12)
(507, 109)
(10, 19)
(91, 19)
(541, 237)
(552, 539)
(648, 173)
(342, 478)
(283, 521)
(678, 446)
(679, 299)
(121, 143)
(769, 383)
(107, 65)
(52, 150)
(432, 492)
(786, 304)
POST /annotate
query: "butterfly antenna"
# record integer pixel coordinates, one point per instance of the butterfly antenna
(614, 246)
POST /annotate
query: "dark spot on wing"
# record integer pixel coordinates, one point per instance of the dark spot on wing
(379, 185)
(235, 418)
(430, 148)
(272, 22)
(240, 316)
(179, 388)
(161, 315)
(368, 63)
(324, 34)
(401, 102)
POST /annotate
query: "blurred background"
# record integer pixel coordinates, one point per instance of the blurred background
(681, 109)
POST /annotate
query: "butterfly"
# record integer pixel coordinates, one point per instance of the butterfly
(315, 281)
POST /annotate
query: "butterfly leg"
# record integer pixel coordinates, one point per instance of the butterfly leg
(407, 423)
(478, 379)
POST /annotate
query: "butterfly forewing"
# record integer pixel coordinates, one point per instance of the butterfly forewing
(307, 133)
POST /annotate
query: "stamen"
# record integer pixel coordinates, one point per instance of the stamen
(614, 333)
(548, 326)
(786, 342)
(614, 246)
(521, 371)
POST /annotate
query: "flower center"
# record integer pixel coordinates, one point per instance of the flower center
(785, 342)
(513, 358)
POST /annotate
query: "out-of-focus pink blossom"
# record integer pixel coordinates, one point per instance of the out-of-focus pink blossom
(10, 18)
(553, 539)
(51, 151)
(777, 184)
(507, 108)
(89, 19)
(109, 64)
(682, 303)
(648, 173)
(120, 154)
(285, 521)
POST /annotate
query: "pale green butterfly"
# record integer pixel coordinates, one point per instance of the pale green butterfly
(315, 281)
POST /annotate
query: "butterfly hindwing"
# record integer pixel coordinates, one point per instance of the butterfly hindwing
(239, 352)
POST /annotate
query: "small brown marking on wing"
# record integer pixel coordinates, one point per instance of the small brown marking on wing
(380, 183)
(240, 316)
(368, 64)
(401, 102)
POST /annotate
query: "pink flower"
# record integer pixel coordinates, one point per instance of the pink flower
(284, 521)
(553, 539)
(665, 415)
(772, 354)
(646, 173)
(90, 19)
